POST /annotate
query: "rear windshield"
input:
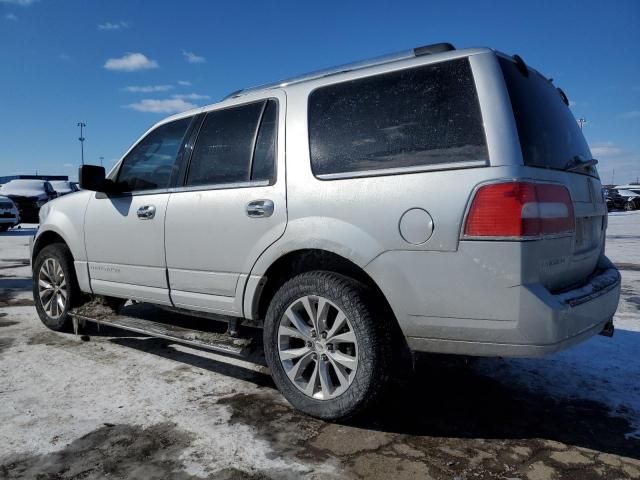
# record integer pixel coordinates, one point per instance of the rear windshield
(549, 134)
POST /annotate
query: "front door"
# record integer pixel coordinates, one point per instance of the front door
(231, 207)
(124, 233)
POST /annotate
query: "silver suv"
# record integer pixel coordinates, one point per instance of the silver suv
(438, 200)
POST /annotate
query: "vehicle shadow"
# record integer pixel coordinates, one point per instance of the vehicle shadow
(449, 397)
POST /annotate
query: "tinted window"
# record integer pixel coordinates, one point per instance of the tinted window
(264, 157)
(152, 161)
(224, 148)
(422, 116)
(549, 134)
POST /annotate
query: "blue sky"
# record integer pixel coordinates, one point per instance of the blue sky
(120, 66)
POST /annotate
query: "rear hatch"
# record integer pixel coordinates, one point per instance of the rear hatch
(554, 150)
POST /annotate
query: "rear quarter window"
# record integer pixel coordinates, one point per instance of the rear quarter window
(425, 116)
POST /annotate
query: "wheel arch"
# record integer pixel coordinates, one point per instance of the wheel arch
(47, 238)
(305, 260)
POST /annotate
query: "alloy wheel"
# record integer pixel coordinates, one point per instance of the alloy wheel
(52, 288)
(317, 347)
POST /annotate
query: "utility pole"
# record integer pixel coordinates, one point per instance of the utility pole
(101, 159)
(613, 175)
(81, 125)
(581, 122)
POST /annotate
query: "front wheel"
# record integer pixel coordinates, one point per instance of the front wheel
(629, 206)
(55, 289)
(328, 351)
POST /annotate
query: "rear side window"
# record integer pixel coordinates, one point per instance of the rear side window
(152, 161)
(549, 134)
(224, 150)
(424, 116)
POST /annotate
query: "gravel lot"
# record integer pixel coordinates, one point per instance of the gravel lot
(126, 406)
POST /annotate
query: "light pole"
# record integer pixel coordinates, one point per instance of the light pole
(101, 159)
(81, 125)
(581, 122)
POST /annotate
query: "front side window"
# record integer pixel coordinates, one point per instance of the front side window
(417, 117)
(235, 145)
(152, 161)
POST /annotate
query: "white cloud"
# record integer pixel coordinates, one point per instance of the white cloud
(148, 88)
(170, 105)
(64, 57)
(605, 149)
(193, 58)
(11, 16)
(191, 96)
(113, 26)
(21, 3)
(130, 62)
(184, 83)
(631, 114)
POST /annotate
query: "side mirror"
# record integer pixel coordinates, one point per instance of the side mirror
(92, 177)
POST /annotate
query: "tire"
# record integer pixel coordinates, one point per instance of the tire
(629, 206)
(4, 228)
(55, 316)
(349, 391)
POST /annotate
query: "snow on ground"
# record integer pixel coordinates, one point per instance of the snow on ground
(126, 406)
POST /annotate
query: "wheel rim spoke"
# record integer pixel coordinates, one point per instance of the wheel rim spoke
(297, 369)
(317, 347)
(326, 385)
(298, 323)
(347, 337)
(293, 353)
(310, 387)
(347, 361)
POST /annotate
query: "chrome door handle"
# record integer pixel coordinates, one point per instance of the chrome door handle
(146, 212)
(260, 208)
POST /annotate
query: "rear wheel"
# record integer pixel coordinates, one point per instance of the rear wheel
(55, 288)
(328, 353)
(629, 206)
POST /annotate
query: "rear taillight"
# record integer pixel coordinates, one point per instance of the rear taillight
(520, 210)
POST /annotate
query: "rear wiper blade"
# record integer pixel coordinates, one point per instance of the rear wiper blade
(577, 163)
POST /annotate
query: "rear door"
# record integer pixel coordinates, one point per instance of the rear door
(124, 233)
(231, 207)
(551, 140)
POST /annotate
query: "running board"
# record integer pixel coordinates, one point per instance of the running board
(216, 342)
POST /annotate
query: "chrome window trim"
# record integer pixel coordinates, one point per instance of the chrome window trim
(402, 170)
(221, 186)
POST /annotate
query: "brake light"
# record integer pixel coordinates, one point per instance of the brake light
(520, 210)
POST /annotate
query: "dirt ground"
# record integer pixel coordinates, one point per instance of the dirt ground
(115, 405)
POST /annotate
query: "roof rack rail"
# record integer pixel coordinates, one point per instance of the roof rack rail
(393, 57)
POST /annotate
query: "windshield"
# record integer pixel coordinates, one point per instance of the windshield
(549, 134)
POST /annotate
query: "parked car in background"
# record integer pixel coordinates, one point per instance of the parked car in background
(29, 196)
(9, 214)
(64, 187)
(622, 198)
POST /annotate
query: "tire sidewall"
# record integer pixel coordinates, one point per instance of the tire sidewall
(351, 298)
(61, 254)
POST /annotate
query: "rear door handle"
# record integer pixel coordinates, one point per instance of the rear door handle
(146, 212)
(260, 208)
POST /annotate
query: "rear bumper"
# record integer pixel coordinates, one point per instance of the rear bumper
(518, 320)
